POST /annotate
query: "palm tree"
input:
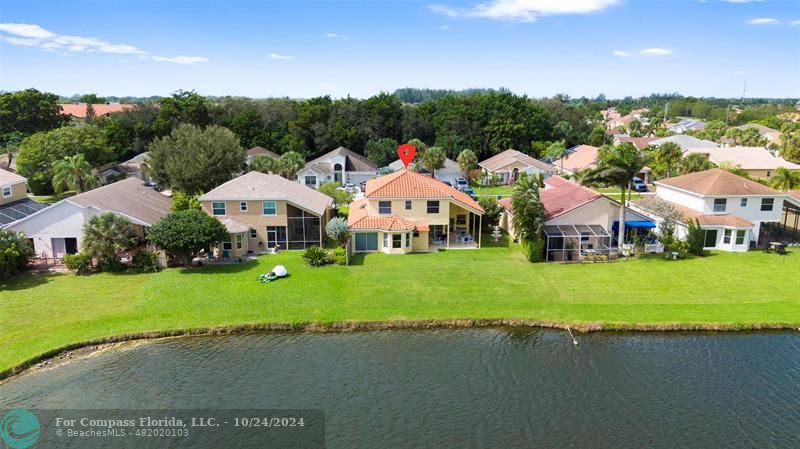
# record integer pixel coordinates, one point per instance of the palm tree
(290, 163)
(467, 161)
(105, 235)
(785, 179)
(667, 153)
(617, 166)
(528, 214)
(433, 159)
(558, 151)
(73, 173)
(264, 164)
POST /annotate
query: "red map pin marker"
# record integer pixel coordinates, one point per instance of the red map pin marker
(406, 153)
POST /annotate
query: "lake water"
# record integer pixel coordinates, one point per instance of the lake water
(469, 388)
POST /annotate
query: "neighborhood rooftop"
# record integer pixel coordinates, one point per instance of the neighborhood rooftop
(129, 197)
(717, 182)
(509, 156)
(79, 110)
(260, 186)
(259, 151)
(354, 161)
(684, 141)
(748, 158)
(18, 210)
(559, 197)
(359, 218)
(408, 184)
(6, 177)
(580, 157)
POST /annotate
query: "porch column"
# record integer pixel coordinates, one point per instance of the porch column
(447, 234)
(480, 228)
(321, 242)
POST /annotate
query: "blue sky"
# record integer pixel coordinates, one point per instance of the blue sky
(359, 48)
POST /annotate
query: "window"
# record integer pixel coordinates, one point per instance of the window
(384, 207)
(416, 233)
(740, 236)
(461, 219)
(366, 241)
(226, 244)
(769, 173)
(710, 240)
(6, 191)
(408, 204)
(585, 236)
(397, 240)
(311, 181)
(433, 207)
(408, 240)
(269, 208)
(385, 240)
(239, 241)
(726, 239)
(218, 208)
(243, 206)
(253, 234)
(720, 204)
(766, 204)
(743, 203)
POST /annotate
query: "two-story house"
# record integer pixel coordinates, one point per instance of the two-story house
(730, 209)
(14, 202)
(404, 212)
(340, 165)
(262, 211)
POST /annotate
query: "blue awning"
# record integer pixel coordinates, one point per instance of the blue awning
(639, 224)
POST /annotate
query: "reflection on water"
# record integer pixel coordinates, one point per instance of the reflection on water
(505, 388)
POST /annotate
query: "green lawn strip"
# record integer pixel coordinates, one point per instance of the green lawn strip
(42, 312)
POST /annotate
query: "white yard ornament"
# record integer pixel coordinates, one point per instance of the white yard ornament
(496, 234)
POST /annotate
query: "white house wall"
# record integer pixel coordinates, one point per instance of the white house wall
(685, 199)
(62, 220)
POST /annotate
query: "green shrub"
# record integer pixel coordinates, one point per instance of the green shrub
(534, 250)
(316, 257)
(339, 256)
(695, 238)
(78, 263)
(145, 262)
(14, 253)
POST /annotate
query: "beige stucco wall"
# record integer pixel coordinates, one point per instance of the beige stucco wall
(257, 220)
(600, 212)
(389, 250)
(420, 243)
(418, 213)
(18, 192)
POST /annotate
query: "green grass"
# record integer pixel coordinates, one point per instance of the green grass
(42, 312)
(51, 199)
(496, 190)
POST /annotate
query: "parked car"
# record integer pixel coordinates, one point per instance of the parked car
(363, 186)
(470, 192)
(638, 185)
(350, 187)
(461, 184)
(447, 183)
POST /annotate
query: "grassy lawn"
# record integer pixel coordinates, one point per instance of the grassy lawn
(51, 199)
(486, 190)
(42, 312)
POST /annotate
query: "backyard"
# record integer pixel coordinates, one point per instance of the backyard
(41, 312)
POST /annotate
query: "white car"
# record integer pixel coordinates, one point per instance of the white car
(461, 183)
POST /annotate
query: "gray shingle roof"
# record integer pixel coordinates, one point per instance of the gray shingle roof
(129, 197)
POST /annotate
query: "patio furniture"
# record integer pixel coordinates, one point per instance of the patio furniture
(777, 247)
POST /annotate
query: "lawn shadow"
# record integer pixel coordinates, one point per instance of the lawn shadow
(357, 259)
(219, 268)
(29, 279)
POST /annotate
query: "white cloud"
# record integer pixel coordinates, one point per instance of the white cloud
(26, 30)
(656, 52)
(621, 54)
(524, 10)
(279, 56)
(337, 36)
(795, 23)
(23, 34)
(444, 27)
(190, 60)
(763, 21)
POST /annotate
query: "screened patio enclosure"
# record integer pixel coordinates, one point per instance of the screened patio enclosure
(304, 229)
(576, 242)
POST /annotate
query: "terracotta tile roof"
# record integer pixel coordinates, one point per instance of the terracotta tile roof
(795, 194)
(6, 177)
(717, 182)
(78, 110)
(728, 220)
(407, 184)
(258, 151)
(583, 156)
(261, 186)
(507, 157)
(129, 197)
(358, 218)
(748, 158)
(560, 197)
(639, 142)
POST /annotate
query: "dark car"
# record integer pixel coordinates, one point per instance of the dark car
(470, 192)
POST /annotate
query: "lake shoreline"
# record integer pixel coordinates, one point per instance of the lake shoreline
(87, 347)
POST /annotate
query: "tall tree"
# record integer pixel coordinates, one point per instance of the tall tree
(617, 166)
(194, 160)
(264, 164)
(73, 173)
(289, 164)
(668, 153)
(181, 107)
(433, 159)
(695, 162)
(467, 161)
(38, 153)
(381, 151)
(183, 234)
(529, 216)
(29, 111)
(558, 151)
(785, 179)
